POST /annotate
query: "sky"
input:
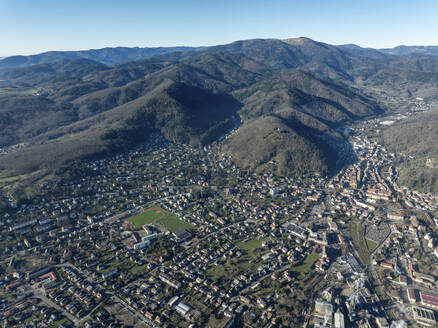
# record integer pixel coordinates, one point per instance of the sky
(31, 26)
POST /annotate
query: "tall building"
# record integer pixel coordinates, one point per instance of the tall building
(339, 320)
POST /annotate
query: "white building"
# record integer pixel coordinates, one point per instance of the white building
(339, 320)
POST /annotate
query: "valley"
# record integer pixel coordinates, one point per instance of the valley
(262, 183)
(256, 243)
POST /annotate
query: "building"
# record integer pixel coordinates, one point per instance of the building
(425, 277)
(411, 295)
(109, 274)
(424, 316)
(141, 244)
(37, 273)
(381, 322)
(295, 229)
(273, 191)
(429, 299)
(149, 237)
(323, 307)
(168, 280)
(339, 320)
(387, 265)
(395, 216)
(323, 313)
(173, 300)
(403, 280)
(182, 308)
(23, 225)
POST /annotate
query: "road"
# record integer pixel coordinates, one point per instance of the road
(261, 279)
(190, 244)
(50, 303)
(133, 311)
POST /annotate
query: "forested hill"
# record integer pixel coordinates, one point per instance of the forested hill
(416, 138)
(290, 96)
(107, 56)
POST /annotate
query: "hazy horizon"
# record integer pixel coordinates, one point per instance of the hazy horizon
(189, 45)
(48, 25)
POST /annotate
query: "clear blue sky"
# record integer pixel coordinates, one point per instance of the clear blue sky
(34, 26)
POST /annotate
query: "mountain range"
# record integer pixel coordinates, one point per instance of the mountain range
(289, 97)
(107, 56)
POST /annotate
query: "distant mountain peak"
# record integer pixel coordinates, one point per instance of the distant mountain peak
(107, 56)
(298, 41)
(403, 50)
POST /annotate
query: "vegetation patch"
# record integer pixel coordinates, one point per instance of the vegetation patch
(150, 215)
(356, 232)
(371, 245)
(251, 245)
(14, 90)
(158, 215)
(305, 266)
(417, 165)
(173, 223)
(216, 273)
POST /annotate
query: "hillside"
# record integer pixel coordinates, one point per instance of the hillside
(409, 50)
(91, 107)
(107, 56)
(282, 140)
(290, 119)
(416, 137)
(322, 98)
(180, 112)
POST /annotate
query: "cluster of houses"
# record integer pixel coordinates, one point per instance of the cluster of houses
(162, 277)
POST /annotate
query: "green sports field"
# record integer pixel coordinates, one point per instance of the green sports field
(158, 215)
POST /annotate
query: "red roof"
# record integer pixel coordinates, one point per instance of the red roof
(13, 285)
(386, 264)
(429, 298)
(50, 274)
(411, 293)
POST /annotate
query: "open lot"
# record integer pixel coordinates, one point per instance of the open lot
(158, 215)
(124, 315)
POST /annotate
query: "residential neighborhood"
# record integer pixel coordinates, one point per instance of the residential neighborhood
(168, 235)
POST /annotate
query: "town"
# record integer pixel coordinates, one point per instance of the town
(167, 235)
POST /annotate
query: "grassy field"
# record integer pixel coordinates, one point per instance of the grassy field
(158, 215)
(217, 323)
(58, 323)
(251, 245)
(371, 245)
(216, 273)
(148, 216)
(305, 266)
(356, 232)
(11, 90)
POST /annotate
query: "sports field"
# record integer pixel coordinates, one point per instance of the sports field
(158, 215)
